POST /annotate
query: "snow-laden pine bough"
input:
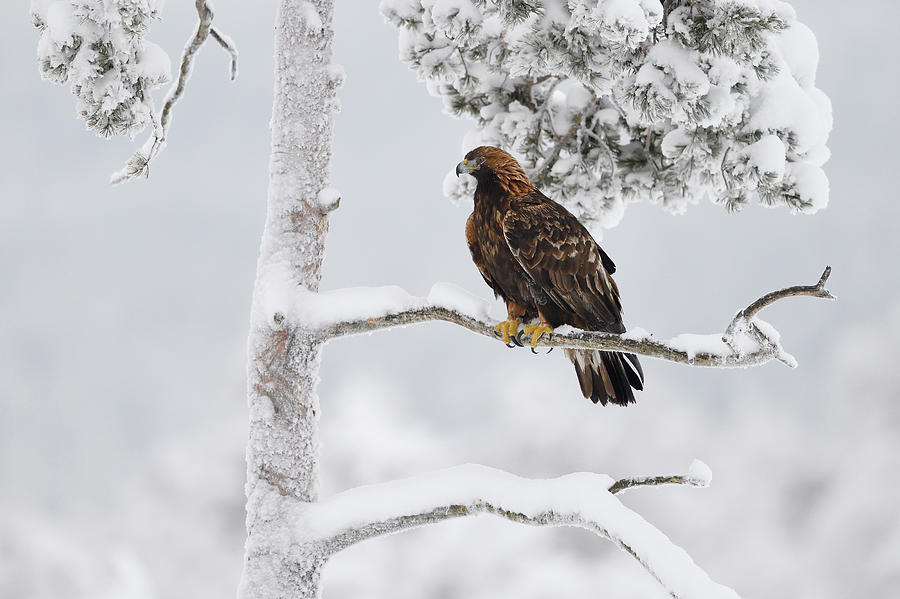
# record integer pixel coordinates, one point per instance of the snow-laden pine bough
(606, 103)
(746, 341)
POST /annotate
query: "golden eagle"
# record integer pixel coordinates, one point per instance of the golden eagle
(537, 257)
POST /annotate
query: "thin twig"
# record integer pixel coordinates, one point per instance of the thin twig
(653, 481)
(722, 168)
(698, 475)
(139, 164)
(817, 290)
(228, 44)
(205, 13)
(603, 143)
(545, 109)
(647, 153)
(528, 88)
(561, 142)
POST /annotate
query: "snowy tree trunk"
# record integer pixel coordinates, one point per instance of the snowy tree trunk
(283, 448)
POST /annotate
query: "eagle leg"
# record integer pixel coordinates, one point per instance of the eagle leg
(537, 331)
(508, 330)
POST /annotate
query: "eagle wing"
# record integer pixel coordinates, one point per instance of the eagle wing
(565, 263)
(477, 257)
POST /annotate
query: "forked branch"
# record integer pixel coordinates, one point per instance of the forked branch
(582, 500)
(139, 163)
(747, 341)
(746, 315)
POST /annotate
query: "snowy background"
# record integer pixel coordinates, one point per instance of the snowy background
(125, 310)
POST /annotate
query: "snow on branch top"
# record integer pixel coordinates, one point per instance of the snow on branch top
(99, 48)
(609, 101)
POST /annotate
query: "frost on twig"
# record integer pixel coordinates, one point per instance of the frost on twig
(583, 500)
(139, 163)
(747, 341)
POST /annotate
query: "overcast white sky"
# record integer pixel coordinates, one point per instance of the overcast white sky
(125, 309)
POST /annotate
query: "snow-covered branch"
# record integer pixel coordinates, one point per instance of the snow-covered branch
(698, 475)
(139, 163)
(582, 500)
(747, 341)
(746, 317)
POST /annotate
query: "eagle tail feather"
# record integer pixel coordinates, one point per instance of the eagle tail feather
(634, 371)
(607, 376)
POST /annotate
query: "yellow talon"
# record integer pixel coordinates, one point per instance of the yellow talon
(537, 331)
(507, 328)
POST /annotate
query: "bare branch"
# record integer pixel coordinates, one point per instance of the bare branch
(817, 290)
(746, 342)
(652, 481)
(581, 500)
(698, 475)
(139, 164)
(228, 44)
(746, 322)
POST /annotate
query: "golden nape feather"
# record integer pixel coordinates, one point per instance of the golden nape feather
(546, 266)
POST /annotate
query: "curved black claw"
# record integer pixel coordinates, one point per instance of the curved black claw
(516, 340)
(549, 337)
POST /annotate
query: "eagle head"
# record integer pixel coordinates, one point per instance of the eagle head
(487, 164)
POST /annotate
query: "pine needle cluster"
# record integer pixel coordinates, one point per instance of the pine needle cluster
(98, 48)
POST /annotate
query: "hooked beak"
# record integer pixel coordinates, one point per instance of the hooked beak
(464, 168)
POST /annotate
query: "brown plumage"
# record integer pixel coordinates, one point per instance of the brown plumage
(537, 257)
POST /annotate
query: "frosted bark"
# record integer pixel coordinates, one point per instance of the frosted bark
(283, 358)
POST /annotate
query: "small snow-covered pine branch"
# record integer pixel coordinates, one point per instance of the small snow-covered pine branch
(99, 48)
